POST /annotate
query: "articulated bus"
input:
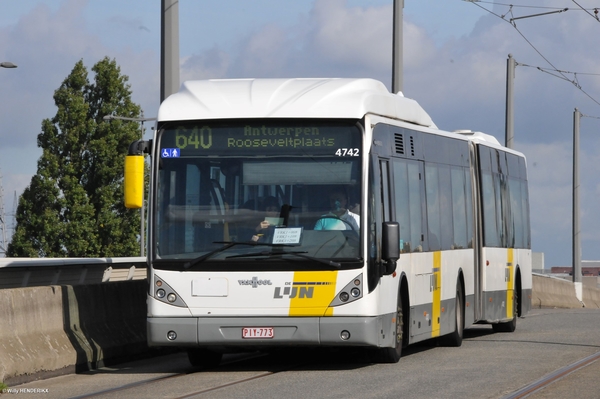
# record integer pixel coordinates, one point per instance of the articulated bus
(325, 213)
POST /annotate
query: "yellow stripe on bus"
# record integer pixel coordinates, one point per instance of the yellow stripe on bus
(509, 283)
(312, 293)
(437, 294)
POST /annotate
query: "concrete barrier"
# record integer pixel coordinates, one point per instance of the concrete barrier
(560, 293)
(591, 297)
(54, 330)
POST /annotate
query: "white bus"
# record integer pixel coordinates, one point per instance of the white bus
(325, 212)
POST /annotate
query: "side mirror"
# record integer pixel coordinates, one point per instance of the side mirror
(134, 181)
(390, 245)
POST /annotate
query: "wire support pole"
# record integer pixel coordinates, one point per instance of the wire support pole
(510, 106)
(576, 228)
(397, 50)
(169, 48)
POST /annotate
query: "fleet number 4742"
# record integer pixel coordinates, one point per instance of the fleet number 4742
(347, 152)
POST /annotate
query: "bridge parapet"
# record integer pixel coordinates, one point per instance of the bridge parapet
(33, 272)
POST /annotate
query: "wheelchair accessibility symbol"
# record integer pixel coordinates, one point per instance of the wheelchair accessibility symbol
(170, 153)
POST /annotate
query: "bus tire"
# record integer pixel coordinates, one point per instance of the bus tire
(392, 355)
(455, 338)
(203, 358)
(509, 326)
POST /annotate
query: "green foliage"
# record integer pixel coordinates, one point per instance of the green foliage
(73, 206)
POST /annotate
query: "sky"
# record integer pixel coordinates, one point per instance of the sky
(455, 54)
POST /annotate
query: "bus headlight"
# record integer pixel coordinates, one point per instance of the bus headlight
(166, 294)
(344, 296)
(353, 291)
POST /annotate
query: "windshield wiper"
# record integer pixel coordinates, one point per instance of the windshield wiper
(228, 244)
(295, 253)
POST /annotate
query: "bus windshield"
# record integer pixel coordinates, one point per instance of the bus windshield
(272, 184)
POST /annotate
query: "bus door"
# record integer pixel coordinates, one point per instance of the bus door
(379, 208)
(476, 238)
(384, 172)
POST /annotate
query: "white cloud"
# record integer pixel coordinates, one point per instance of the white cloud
(265, 53)
(549, 173)
(419, 49)
(212, 64)
(352, 37)
(334, 41)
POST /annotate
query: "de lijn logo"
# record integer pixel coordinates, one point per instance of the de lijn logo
(290, 290)
(304, 289)
(294, 292)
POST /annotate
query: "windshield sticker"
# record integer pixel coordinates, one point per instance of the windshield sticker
(287, 235)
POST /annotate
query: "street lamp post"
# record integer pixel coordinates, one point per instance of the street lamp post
(4, 64)
(142, 120)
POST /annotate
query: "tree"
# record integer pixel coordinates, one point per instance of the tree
(73, 206)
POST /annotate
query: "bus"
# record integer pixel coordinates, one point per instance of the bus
(325, 213)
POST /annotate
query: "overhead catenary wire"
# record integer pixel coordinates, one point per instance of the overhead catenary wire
(589, 116)
(539, 14)
(549, 71)
(589, 13)
(560, 74)
(524, 6)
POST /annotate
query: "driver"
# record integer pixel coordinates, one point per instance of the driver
(339, 217)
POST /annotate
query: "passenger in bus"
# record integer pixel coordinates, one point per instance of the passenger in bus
(339, 217)
(271, 219)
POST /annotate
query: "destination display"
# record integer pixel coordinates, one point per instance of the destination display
(260, 136)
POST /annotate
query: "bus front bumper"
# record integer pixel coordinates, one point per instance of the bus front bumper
(376, 331)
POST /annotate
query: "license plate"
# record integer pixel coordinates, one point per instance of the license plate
(257, 332)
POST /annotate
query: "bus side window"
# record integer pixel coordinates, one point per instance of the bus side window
(459, 207)
(408, 202)
(434, 227)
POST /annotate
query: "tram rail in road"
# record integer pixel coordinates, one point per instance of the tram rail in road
(554, 349)
(551, 378)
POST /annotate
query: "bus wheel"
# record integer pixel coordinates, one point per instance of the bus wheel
(508, 326)
(392, 355)
(203, 358)
(455, 338)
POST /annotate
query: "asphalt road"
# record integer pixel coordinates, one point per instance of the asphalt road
(488, 365)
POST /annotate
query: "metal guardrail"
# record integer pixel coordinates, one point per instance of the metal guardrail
(31, 272)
